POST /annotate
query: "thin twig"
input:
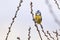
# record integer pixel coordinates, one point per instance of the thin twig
(38, 31)
(13, 19)
(34, 21)
(44, 32)
(57, 4)
(29, 33)
(50, 35)
(56, 34)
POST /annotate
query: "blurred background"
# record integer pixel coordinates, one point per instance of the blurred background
(48, 8)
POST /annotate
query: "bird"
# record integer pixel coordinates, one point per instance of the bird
(38, 17)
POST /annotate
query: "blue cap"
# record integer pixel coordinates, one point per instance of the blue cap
(38, 11)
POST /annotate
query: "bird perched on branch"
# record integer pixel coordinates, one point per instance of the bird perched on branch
(38, 17)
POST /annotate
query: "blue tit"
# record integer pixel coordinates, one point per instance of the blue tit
(38, 17)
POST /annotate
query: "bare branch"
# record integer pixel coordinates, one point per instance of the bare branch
(57, 4)
(44, 32)
(13, 19)
(50, 35)
(29, 33)
(34, 21)
(56, 34)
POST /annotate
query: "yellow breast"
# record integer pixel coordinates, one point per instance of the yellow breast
(38, 19)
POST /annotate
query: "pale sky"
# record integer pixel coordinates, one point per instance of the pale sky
(24, 18)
